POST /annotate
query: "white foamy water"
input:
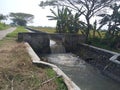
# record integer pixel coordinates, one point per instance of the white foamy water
(66, 59)
(52, 42)
(56, 48)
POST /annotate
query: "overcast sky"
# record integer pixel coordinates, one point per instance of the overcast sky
(30, 7)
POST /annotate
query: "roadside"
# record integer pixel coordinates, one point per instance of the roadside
(3, 33)
(3, 26)
(17, 71)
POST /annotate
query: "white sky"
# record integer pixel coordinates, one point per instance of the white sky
(30, 7)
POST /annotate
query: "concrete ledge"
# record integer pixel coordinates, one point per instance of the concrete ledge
(114, 59)
(36, 60)
(111, 52)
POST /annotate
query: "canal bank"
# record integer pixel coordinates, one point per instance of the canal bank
(95, 57)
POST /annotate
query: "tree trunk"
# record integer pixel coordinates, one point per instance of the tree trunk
(88, 29)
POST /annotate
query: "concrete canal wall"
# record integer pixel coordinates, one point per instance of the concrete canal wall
(106, 61)
(99, 58)
(39, 42)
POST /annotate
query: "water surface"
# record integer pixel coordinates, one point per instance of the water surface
(83, 74)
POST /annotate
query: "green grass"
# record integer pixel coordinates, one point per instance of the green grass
(45, 29)
(3, 26)
(15, 33)
(60, 83)
(98, 42)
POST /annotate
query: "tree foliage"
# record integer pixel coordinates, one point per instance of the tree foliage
(21, 18)
(113, 23)
(89, 7)
(3, 17)
(66, 21)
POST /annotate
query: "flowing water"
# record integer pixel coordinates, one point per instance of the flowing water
(83, 74)
(56, 48)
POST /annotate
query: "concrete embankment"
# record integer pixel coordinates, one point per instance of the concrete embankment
(36, 60)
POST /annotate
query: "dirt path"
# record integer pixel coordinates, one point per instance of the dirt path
(3, 33)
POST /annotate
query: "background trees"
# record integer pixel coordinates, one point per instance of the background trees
(21, 18)
(112, 37)
(2, 17)
(66, 21)
(89, 7)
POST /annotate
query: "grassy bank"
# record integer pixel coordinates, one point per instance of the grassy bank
(98, 42)
(14, 34)
(3, 26)
(17, 71)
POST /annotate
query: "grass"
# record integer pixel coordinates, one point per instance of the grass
(3, 26)
(59, 81)
(98, 43)
(17, 71)
(45, 29)
(15, 33)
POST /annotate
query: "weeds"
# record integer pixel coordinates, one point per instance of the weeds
(17, 71)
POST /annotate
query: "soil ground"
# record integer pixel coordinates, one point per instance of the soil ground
(17, 71)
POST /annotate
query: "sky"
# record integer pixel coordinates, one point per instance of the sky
(30, 7)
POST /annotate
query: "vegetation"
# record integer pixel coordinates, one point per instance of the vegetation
(21, 18)
(2, 17)
(60, 83)
(45, 29)
(112, 36)
(3, 26)
(15, 33)
(88, 8)
(66, 21)
(16, 70)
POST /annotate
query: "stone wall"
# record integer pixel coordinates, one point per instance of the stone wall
(39, 42)
(99, 58)
(69, 41)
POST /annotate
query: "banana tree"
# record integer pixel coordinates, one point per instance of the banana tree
(74, 23)
(66, 21)
(113, 22)
(62, 17)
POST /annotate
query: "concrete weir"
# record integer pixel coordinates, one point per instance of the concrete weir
(36, 60)
(100, 64)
